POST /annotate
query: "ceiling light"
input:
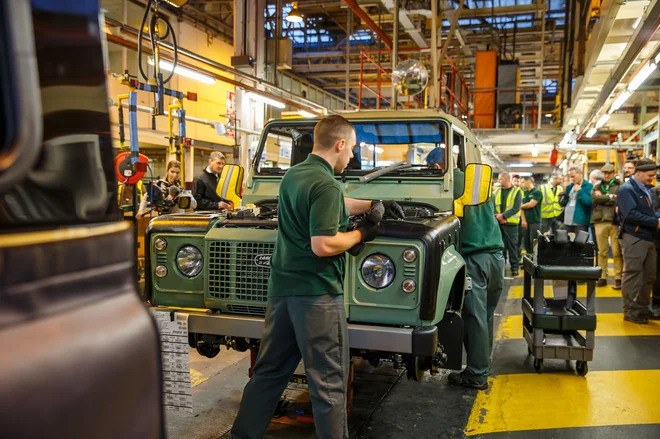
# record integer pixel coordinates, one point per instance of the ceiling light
(184, 71)
(636, 23)
(521, 165)
(525, 174)
(602, 121)
(264, 99)
(304, 113)
(535, 151)
(567, 138)
(618, 102)
(641, 76)
(548, 115)
(294, 16)
(591, 132)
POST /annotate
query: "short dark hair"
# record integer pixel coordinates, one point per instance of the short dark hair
(515, 176)
(330, 130)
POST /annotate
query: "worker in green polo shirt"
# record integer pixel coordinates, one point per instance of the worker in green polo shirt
(531, 212)
(507, 200)
(481, 247)
(305, 317)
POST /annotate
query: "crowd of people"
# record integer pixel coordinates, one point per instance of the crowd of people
(622, 218)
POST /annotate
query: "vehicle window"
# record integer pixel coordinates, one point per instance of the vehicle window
(379, 144)
(458, 150)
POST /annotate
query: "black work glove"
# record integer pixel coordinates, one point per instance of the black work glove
(393, 210)
(368, 227)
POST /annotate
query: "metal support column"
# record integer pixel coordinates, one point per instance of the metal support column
(434, 54)
(395, 53)
(349, 32)
(540, 112)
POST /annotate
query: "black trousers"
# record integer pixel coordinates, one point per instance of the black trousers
(655, 301)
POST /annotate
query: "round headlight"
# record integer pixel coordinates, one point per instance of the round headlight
(189, 260)
(408, 286)
(378, 271)
(160, 244)
(410, 255)
(161, 271)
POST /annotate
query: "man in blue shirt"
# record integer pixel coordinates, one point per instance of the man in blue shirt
(639, 224)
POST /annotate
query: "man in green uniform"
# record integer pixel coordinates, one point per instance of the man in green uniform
(481, 247)
(305, 317)
(507, 200)
(531, 212)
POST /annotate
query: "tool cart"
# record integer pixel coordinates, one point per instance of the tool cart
(553, 328)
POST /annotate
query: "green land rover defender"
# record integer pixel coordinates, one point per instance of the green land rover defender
(403, 293)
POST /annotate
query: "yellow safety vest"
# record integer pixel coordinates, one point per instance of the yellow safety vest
(510, 200)
(550, 207)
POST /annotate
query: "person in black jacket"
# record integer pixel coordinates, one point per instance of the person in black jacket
(207, 183)
(655, 302)
(639, 227)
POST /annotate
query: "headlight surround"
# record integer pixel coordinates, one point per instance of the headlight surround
(160, 244)
(410, 255)
(189, 260)
(378, 271)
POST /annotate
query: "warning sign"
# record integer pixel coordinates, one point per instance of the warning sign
(173, 331)
(231, 113)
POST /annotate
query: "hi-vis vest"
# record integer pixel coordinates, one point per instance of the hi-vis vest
(510, 200)
(550, 207)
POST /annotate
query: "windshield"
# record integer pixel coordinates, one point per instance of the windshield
(379, 144)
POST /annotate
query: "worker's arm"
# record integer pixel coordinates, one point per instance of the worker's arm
(584, 194)
(529, 205)
(563, 201)
(598, 197)
(356, 207)
(627, 203)
(202, 199)
(324, 246)
(516, 206)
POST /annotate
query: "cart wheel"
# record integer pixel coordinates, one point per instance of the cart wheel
(538, 365)
(582, 368)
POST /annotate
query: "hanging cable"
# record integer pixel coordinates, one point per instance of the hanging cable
(139, 42)
(153, 31)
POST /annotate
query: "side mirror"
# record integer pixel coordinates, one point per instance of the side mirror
(184, 202)
(477, 187)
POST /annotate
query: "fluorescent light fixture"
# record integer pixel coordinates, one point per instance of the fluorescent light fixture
(618, 102)
(636, 23)
(264, 99)
(185, 71)
(535, 151)
(521, 165)
(548, 115)
(304, 113)
(567, 138)
(525, 174)
(602, 121)
(642, 76)
(591, 132)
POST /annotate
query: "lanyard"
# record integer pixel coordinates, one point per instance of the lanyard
(609, 185)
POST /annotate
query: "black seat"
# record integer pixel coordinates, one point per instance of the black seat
(302, 148)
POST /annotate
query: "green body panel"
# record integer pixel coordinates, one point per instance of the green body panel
(390, 305)
(175, 289)
(452, 269)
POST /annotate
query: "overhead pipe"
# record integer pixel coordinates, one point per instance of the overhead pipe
(395, 53)
(226, 69)
(369, 22)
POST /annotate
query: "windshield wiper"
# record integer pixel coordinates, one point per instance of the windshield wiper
(379, 173)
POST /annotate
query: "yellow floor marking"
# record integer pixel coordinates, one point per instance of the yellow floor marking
(516, 291)
(608, 325)
(538, 402)
(196, 378)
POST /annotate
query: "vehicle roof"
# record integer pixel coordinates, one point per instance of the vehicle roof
(404, 114)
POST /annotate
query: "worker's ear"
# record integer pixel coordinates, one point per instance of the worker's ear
(478, 184)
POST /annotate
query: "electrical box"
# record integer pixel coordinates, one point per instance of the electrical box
(242, 61)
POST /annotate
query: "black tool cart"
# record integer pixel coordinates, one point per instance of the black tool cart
(552, 327)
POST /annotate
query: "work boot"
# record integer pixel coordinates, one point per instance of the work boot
(638, 320)
(617, 284)
(514, 273)
(461, 379)
(655, 313)
(601, 283)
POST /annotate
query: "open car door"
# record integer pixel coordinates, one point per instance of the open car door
(80, 357)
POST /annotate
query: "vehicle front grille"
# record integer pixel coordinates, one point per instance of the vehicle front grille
(239, 270)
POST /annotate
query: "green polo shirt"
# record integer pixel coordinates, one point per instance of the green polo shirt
(311, 203)
(533, 215)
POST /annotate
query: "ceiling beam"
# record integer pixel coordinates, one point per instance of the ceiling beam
(369, 22)
(502, 10)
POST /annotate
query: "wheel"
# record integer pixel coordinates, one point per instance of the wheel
(208, 350)
(414, 369)
(582, 368)
(538, 365)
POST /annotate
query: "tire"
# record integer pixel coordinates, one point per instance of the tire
(582, 368)
(414, 369)
(208, 350)
(538, 365)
